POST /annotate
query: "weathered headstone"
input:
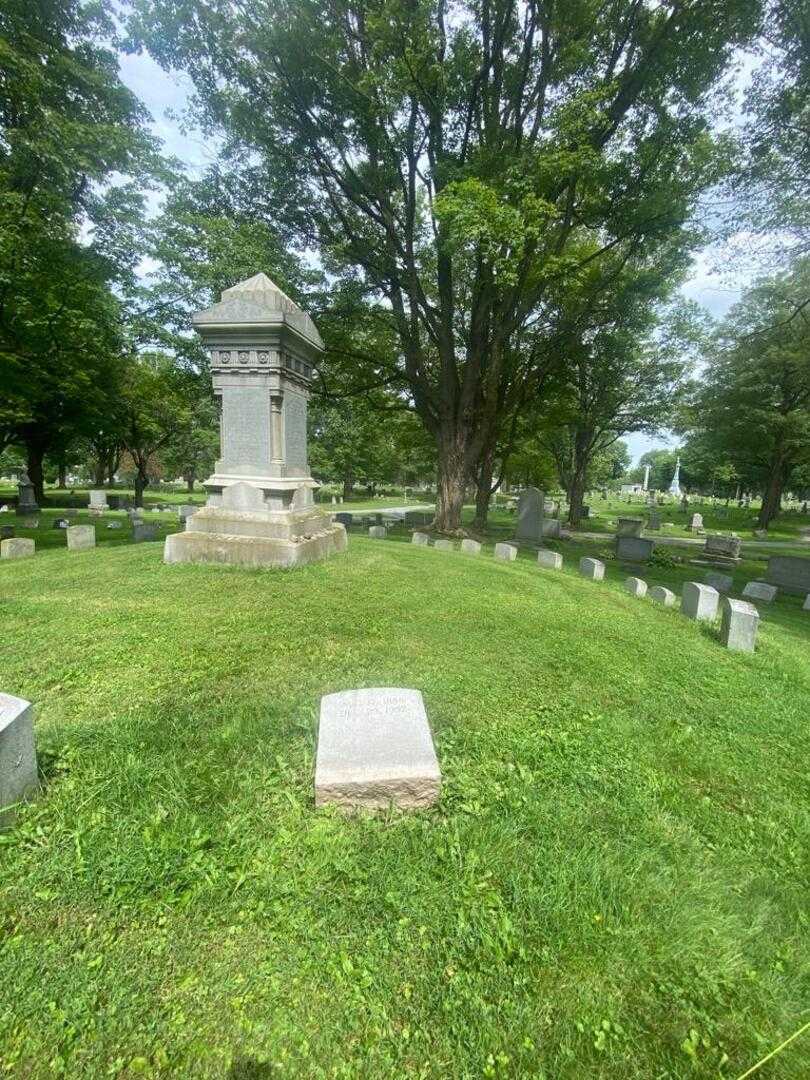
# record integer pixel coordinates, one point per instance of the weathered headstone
(662, 596)
(696, 523)
(375, 749)
(18, 757)
(260, 509)
(806, 604)
(738, 625)
(444, 545)
(549, 560)
(186, 510)
(7, 532)
(377, 532)
(81, 537)
(636, 586)
(507, 552)
(584, 512)
(98, 500)
(633, 549)
(592, 568)
(17, 548)
(530, 516)
(470, 547)
(791, 573)
(654, 521)
(722, 582)
(629, 527)
(760, 590)
(699, 601)
(722, 549)
(143, 533)
(420, 539)
(552, 529)
(26, 503)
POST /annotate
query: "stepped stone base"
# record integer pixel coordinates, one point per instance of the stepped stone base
(219, 535)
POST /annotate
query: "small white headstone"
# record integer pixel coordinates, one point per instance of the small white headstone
(17, 548)
(507, 552)
(377, 532)
(549, 560)
(420, 539)
(662, 596)
(444, 545)
(739, 624)
(724, 583)
(470, 547)
(375, 749)
(81, 537)
(760, 590)
(592, 568)
(699, 601)
(636, 586)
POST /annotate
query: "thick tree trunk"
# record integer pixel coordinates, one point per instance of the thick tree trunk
(100, 472)
(452, 483)
(141, 483)
(35, 452)
(483, 490)
(62, 481)
(348, 487)
(772, 499)
(190, 482)
(583, 447)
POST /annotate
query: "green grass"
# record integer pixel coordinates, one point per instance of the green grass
(614, 884)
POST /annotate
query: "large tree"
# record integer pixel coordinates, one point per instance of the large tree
(449, 158)
(753, 406)
(73, 158)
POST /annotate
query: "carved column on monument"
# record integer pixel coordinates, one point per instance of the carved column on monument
(260, 509)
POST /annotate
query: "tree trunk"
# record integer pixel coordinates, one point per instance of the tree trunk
(452, 483)
(141, 483)
(583, 448)
(483, 490)
(772, 499)
(35, 452)
(190, 482)
(62, 481)
(348, 487)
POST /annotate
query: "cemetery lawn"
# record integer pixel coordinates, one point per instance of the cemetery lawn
(614, 884)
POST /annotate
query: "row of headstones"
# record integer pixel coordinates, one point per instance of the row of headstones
(740, 619)
(79, 538)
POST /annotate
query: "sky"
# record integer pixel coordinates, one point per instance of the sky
(165, 95)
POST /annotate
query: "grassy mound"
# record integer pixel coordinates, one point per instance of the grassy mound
(614, 884)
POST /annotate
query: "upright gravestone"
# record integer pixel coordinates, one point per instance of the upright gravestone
(26, 503)
(81, 537)
(98, 501)
(18, 757)
(626, 526)
(530, 516)
(696, 524)
(260, 509)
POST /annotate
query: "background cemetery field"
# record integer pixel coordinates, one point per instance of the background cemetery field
(613, 885)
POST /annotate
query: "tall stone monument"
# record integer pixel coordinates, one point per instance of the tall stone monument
(530, 516)
(26, 503)
(260, 509)
(675, 486)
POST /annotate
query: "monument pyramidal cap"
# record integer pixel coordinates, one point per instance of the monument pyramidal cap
(260, 509)
(254, 301)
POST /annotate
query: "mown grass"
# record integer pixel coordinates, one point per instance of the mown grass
(613, 885)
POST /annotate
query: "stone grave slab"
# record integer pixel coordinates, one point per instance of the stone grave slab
(699, 601)
(592, 568)
(444, 545)
(506, 552)
(81, 537)
(739, 622)
(549, 560)
(629, 526)
(636, 586)
(375, 749)
(790, 573)
(17, 548)
(18, 757)
(760, 590)
(662, 596)
(634, 549)
(470, 547)
(420, 539)
(724, 583)
(377, 532)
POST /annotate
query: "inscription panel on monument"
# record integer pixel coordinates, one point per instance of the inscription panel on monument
(245, 427)
(295, 430)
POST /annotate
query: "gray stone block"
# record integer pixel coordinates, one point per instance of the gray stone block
(629, 527)
(470, 547)
(18, 757)
(633, 549)
(635, 586)
(662, 596)
(18, 548)
(790, 573)
(507, 552)
(738, 625)
(549, 560)
(142, 533)
(806, 604)
(420, 539)
(81, 537)
(98, 500)
(759, 590)
(444, 545)
(552, 529)
(377, 532)
(375, 749)
(530, 516)
(724, 583)
(699, 601)
(592, 568)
